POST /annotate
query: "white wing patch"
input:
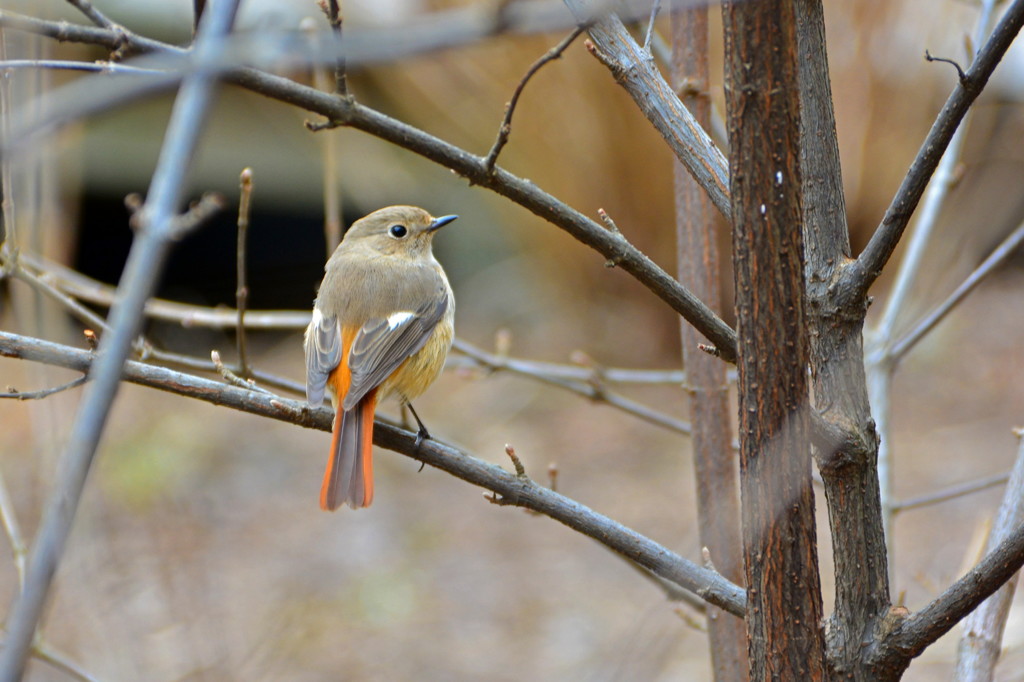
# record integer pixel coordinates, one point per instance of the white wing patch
(396, 320)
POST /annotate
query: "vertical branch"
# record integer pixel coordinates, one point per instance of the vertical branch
(8, 237)
(718, 509)
(982, 636)
(784, 610)
(13, 530)
(332, 9)
(848, 464)
(329, 156)
(242, 290)
(157, 230)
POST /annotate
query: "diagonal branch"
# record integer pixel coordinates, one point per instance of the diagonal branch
(505, 129)
(633, 68)
(1005, 249)
(868, 266)
(917, 632)
(982, 637)
(706, 583)
(148, 253)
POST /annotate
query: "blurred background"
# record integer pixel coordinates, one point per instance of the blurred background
(199, 552)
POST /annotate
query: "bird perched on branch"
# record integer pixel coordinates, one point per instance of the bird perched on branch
(382, 325)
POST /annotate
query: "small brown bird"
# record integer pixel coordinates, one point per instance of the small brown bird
(382, 325)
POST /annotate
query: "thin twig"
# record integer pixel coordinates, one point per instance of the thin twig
(505, 129)
(655, 8)
(950, 493)
(233, 378)
(92, 14)
(331, 182)
(19, 549)
(142, 270)
(590, 387)
(998, 256)
(66, 65)
(42, 284)
(242, 290)
(710, 586)
(44, 652)
(572, 377)
(959, 71)
(334, 18)
(44, 393)
(8, 224)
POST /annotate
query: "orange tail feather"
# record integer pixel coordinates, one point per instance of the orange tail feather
(349, 475)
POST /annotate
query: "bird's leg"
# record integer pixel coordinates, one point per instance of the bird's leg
(422, 434)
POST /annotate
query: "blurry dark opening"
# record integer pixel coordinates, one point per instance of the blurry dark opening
(285, 259)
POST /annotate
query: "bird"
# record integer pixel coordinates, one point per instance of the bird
(382, 325)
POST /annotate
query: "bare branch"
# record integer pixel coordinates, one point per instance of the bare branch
(633, 68)
(65, 65)
(44, 393)
(44, 652)
(710, 586)
(983, 629)
(141, 273)
(334, 18)
(589, 386)
(505, 129)
(43, 285)
(859, 276)
(950, 493)
(994, 260)
(913, 635)
(242, 290)
(79, 286)
(94, 15)
(655, 8)
(19, 548)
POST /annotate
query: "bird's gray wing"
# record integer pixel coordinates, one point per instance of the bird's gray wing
(383, 344)
(323, 354)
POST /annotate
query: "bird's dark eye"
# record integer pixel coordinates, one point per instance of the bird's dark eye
(398, 231)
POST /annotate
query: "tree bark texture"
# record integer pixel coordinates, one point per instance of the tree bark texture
(849, 463)
(716, 471)
(784, 610)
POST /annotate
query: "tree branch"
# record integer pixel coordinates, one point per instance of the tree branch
(982, 637)
(141, 272)
(707, 584)
(859, 275)
(505, 129)
(999, 255)
(913, 635)
(950, 493)
(633, 68)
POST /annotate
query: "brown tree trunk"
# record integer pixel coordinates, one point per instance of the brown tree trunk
(718, 504)
(784, 611)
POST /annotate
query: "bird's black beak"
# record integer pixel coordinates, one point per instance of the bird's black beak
(441, 222)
